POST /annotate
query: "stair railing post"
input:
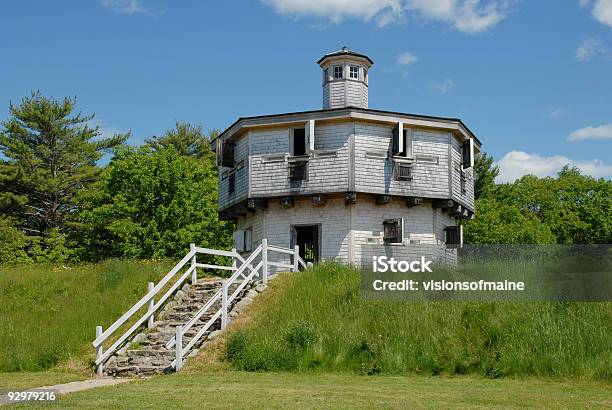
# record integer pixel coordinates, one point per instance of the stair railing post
(296, 255)
(224, 305)
(234, 260)
(99, 352)
(264, 260)
(178, 345)
(194, 274)
(150, 287)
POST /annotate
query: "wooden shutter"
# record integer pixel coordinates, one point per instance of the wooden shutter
(309, 131)
(238, 237)
(397, 145)
(408, 143)
(467, 153)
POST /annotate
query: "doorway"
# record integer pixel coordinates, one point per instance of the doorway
(307, 237)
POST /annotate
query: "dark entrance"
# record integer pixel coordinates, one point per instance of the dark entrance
(307, 238)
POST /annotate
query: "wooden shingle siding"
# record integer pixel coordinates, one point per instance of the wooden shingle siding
(466, 198)
(423, 230)
(354, 94)
(375, 175)
(325, 173)
(241, 169)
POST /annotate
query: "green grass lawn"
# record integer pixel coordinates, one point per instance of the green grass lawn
(231, 389)
(27, 380)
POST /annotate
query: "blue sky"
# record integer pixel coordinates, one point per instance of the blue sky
(533, 79)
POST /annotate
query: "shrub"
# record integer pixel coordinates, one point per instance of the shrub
(300, 335)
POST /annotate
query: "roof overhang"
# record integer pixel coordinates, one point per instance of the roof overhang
(454, 125)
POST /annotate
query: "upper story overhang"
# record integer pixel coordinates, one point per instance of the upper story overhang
(454, 125)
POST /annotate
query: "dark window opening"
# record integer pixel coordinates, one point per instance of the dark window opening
(454, 235)
(299, 142)
(298, 170)
(392, 231)
(228, 154)
(463, 180)
(466, 154)
(232, 183)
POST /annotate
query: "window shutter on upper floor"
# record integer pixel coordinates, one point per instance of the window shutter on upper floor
(408, 143)
(467, 154)
(309, 129)
(397, 145)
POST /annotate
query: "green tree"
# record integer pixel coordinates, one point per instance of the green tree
(151, 204)
(186, 139)
(51, 153)
(576, 208)
(499, 223)
(12, 242)
(484, 175)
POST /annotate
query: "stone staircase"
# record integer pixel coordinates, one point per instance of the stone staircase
(146, 354)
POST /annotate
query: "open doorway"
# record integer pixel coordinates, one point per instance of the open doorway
(307, 237)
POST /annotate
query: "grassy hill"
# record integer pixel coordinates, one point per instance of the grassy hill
(316, 320)
(313, 321)
(48, 314)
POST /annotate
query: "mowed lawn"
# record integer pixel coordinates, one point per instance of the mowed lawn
(233, 389)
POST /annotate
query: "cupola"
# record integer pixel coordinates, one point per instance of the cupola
(345, 79)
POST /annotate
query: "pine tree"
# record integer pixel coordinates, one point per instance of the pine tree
(50, 154)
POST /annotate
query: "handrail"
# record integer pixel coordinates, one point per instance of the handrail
(143, 301)
(140, 321)
(148, 299)
(280, 250)
(243, 284)
(302, 262)
(238, 274)
(208, 304)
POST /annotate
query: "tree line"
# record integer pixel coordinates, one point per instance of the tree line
(58, 204)
(571, 208)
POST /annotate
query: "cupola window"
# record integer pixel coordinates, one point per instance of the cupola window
(354, 72)
(338, 72)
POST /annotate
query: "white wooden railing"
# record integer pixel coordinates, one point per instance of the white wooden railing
(260, 270)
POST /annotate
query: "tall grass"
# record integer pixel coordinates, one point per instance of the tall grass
(48, 314)
(317, 320)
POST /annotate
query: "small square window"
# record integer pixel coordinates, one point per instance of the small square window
(354, 72)
(393, 230)
(338, 72)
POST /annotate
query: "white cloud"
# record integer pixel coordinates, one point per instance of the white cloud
(444, 86)
(590, 48)
(130, 7)
(592, 133)
(515, 164)
(407, 58)
(469, 16)
(382, 11)
(602, 10)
